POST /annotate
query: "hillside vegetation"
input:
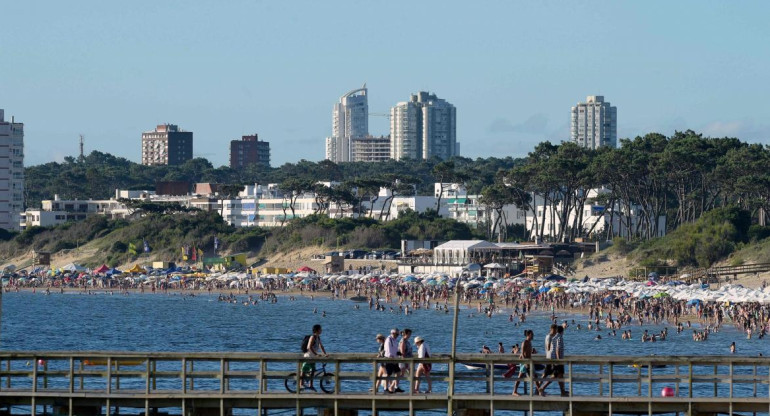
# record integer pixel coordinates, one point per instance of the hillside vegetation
(716, 236)
(118, 242)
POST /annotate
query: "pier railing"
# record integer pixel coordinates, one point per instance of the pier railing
(103, 382)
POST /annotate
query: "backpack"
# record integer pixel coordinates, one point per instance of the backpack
(305, 341)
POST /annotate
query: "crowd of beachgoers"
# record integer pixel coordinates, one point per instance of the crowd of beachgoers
(611, 303)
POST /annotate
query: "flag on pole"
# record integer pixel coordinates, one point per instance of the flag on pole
(132, 249)
(147, 248)
(194, 254)
(216, 243)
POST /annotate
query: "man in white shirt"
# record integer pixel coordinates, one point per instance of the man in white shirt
(392, 369)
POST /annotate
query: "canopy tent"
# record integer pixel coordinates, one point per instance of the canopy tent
(473, 267)
(494, 266)
(306, 269)
(102, 269)
(72, 267)
(136, 269)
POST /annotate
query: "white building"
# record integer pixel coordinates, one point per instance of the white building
(58, 211)
(350, 119)
(423, 127)
(596, 218)
(11, 172)
(470, 210)
(594, 123)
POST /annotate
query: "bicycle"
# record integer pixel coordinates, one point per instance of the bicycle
(325, 379)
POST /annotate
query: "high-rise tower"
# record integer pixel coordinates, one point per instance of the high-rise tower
(422, 128)
(594, 123)
(350, 119)
(11, 172)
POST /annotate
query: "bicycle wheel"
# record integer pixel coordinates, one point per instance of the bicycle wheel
(327, 382)
(291, 383)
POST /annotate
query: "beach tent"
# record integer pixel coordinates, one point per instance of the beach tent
(306, 269)
(136, 269)
(72, 267)
(494, 266)
(102, 269)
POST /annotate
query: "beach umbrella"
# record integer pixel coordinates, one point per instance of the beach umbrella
(410, 279)
(488, 285)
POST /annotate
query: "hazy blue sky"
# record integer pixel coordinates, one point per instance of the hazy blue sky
(222, 69)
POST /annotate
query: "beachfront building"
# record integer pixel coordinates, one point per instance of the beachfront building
(59, 211)
(249, 151)
(370, 149)
(594, 123)
(350, 119)
(422, 128)
(594, 218)
(167, 145)
(457, 257)
(470, 209)
(11, 172)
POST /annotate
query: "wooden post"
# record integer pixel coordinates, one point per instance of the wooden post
(453, 357)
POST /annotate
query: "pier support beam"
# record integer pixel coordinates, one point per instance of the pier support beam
(340, 412)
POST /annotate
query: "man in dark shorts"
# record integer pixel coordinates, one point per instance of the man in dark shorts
(392, 369)
(554, 351)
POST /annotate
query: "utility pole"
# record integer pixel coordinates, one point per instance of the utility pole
(82, 156)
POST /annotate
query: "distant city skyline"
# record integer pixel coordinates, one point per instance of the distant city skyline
(512, 69)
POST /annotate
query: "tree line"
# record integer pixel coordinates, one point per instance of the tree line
(680, 177)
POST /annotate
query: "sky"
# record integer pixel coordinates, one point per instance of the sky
(222, 69)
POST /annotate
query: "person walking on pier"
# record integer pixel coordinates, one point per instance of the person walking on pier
(554, 350)
(423, 369)
(526, 354)
(392, 369)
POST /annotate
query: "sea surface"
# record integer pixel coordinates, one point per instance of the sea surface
(159, 322)
(75, 321)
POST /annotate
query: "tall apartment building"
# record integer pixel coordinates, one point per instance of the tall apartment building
(594, 123)
(350, 119)
(370, 149)
(423, 127)
(11, 172)
(249, 150)
(167, 145)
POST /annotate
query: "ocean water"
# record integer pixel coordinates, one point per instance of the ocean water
(171, 322)
(159, 322)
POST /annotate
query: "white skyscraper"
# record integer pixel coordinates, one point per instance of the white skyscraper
(11, 172)
(594, 123)
(423, 127)
(350, 119)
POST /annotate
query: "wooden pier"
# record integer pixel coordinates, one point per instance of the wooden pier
(95, 383)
